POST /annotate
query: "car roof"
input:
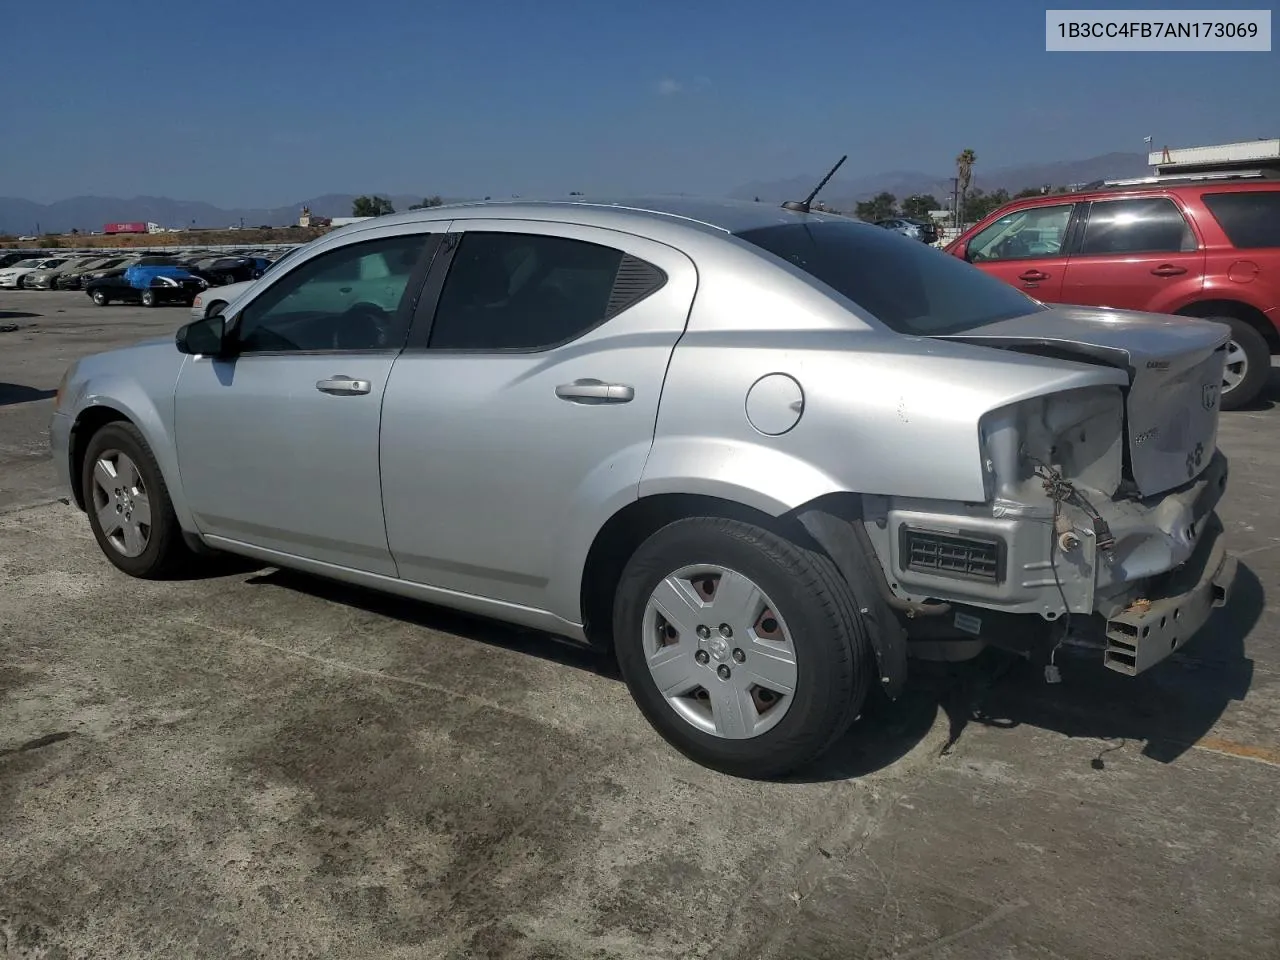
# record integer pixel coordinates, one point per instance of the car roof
(707, 215)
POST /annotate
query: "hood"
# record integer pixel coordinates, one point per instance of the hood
(1174, 365)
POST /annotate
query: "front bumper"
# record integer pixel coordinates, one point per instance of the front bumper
(1173, 608)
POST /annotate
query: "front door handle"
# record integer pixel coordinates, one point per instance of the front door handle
(342, 386)
(1168, 270)
(595, 391)
(1032, 276)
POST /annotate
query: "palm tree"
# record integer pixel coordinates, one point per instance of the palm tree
(964, 174)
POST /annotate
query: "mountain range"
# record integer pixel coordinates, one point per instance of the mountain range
(90, 213)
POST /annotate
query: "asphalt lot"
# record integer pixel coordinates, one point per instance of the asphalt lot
(259, 764)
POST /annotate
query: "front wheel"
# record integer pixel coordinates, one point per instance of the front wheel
(128, 503)
(149, 298)
(214, 308)
(743, 649)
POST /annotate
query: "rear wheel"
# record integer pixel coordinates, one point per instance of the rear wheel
(128, 504)
(743, 649)
(1248, 364)
(100, 298)
(149, 298)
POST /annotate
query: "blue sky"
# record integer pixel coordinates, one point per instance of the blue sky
(272, 102)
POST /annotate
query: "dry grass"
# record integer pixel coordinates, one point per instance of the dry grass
(155, 241)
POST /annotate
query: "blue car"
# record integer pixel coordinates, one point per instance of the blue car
(147, 285)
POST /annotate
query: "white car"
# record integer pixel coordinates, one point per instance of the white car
(12, 276)
(214, 299)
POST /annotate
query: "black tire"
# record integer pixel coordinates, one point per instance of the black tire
(100, 298)
(166, 554)
(1257, 363)
(149, 298)
(215, 307)
(834, 659)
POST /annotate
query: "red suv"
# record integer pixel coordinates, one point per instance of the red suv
(1195, 249)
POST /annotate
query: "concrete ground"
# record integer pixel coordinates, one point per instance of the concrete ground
(259, 764)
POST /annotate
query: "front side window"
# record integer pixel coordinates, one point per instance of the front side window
(345, 299)
(1022, 235)
(1251, 220)
(514, 291)
(908, 286)
(1149, 225)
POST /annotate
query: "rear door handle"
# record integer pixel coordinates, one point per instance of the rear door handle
(1168, 270)
(342, 386)
(1032, 276)
(595, 391)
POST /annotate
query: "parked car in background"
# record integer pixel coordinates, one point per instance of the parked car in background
(216, 299)
(150, 286)
(126, 263)
(510, 409)
(14, 276)
(224, 270)
(1206, 248)
(47, 278)
(71, 279)
(9, 259)
(925, 231)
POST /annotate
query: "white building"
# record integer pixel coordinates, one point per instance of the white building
(1246, 155)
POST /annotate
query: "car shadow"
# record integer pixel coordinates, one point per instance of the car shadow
(420, 614)
(1168, 708)
(11, 393)
(16, 315)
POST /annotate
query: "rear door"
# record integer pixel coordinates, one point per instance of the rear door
(1135, 253)
(1026, 249)
(523, 409)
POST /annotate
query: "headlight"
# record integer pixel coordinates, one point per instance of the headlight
(197, 301)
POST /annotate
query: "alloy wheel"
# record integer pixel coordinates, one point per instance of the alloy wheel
(1237, 367)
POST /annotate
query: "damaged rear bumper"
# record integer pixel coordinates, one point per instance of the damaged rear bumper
(1174, 607)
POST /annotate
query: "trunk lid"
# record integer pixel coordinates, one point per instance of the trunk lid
(1175, 367)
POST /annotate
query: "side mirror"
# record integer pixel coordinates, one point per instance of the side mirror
(207, 336)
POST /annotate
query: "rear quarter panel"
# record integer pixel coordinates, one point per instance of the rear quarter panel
(882, 414)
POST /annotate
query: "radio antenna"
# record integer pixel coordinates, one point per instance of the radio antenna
(802, 206)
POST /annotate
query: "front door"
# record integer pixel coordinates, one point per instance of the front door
(524, 413)
(1026, 249)
(1135, 254)
(278, 447)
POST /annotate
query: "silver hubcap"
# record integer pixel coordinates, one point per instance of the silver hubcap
(1237, 367)
(719, 652)
(121, 503)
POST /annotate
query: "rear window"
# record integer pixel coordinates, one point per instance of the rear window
(1250, 220)
(908, 286)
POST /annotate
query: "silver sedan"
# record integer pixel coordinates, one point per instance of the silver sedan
(762, 454)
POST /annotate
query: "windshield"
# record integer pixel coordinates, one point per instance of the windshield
(908, 286)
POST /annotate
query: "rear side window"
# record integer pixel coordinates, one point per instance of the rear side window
(1250, 220)
(909, 287)
(1148, 225)
(514, 291)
